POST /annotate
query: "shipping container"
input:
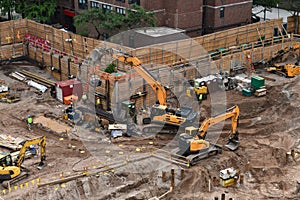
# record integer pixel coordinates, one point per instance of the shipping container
(67, 88)
(257, 82)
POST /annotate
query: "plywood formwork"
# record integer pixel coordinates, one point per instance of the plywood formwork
(12, 32)
(11, 51)
(187, 59)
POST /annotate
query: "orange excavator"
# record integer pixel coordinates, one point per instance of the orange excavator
(192, 143)
(160, 113)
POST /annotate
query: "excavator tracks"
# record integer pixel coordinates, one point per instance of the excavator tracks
(12, 182)
(160, 129)
(194, 159)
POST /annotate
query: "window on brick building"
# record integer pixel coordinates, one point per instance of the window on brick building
(83, 4)
(95, 4)
(106, 7)
(123, 1)
(120, 10)
(222, 12)
(137, 2)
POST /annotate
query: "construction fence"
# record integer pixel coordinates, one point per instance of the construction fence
(66, 55)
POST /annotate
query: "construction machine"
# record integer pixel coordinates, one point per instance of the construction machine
(11, 172)
(280, 54)
(161, 113)
(288, 70)
(193, 146)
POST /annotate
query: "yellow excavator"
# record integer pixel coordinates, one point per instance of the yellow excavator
(288, 70)
(160, 113)
(12, 172)
(192, 143)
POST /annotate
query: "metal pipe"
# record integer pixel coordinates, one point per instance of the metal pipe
(38, 86)
(171, 161)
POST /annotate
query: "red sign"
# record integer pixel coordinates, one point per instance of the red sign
(69, 13)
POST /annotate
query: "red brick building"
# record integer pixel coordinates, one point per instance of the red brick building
(196, 17)
(224, 14)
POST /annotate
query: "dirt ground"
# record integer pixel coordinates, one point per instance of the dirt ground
(125, 168)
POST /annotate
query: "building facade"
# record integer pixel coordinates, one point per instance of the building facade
(224, 14)
(196, 17)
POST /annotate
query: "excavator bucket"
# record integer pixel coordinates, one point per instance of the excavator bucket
(232, 144)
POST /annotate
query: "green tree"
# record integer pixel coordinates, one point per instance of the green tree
(7, 7)
(139, 17)
(89, 18)
(111, 22)
(39, 10)
(267, 4)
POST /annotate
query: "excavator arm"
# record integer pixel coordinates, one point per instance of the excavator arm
(27, 143)
(232, 113)
(137, 65)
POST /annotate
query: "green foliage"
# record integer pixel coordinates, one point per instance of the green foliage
(39, 10)
(267, 3)
(7, 6)
(111, 68)
(92, 17)
(294, 5)
(111, 22)
(139, 17)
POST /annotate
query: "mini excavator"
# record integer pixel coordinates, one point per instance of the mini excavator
(12, 172)
(192, 143)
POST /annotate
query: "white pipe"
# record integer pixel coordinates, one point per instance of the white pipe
(17, 76)
(21, 75)
(169, 191)
(38, 86)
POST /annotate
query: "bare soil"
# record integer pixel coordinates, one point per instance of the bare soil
(124, 168)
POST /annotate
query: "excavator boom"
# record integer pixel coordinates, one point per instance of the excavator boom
(137, 65)
(232, 113)
(27, 143)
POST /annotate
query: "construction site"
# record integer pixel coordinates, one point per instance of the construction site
(211, 118)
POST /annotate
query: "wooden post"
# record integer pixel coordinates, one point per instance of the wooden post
(172, 178)
(287, 157)
(59, 66)
(69, 68)
(182, 173)
(163, 176)
(247, 167)
(242, 179)
(223, 196)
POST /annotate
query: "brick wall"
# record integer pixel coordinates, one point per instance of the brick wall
(236, 13)
(188, 15)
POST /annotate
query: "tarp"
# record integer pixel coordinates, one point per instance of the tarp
(273, 13)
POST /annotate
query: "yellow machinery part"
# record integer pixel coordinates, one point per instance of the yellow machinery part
(227, 182)
(197, 145)
(292, 70)
(201, 90)
(12, 171)
(188, 93)
(170, 119)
